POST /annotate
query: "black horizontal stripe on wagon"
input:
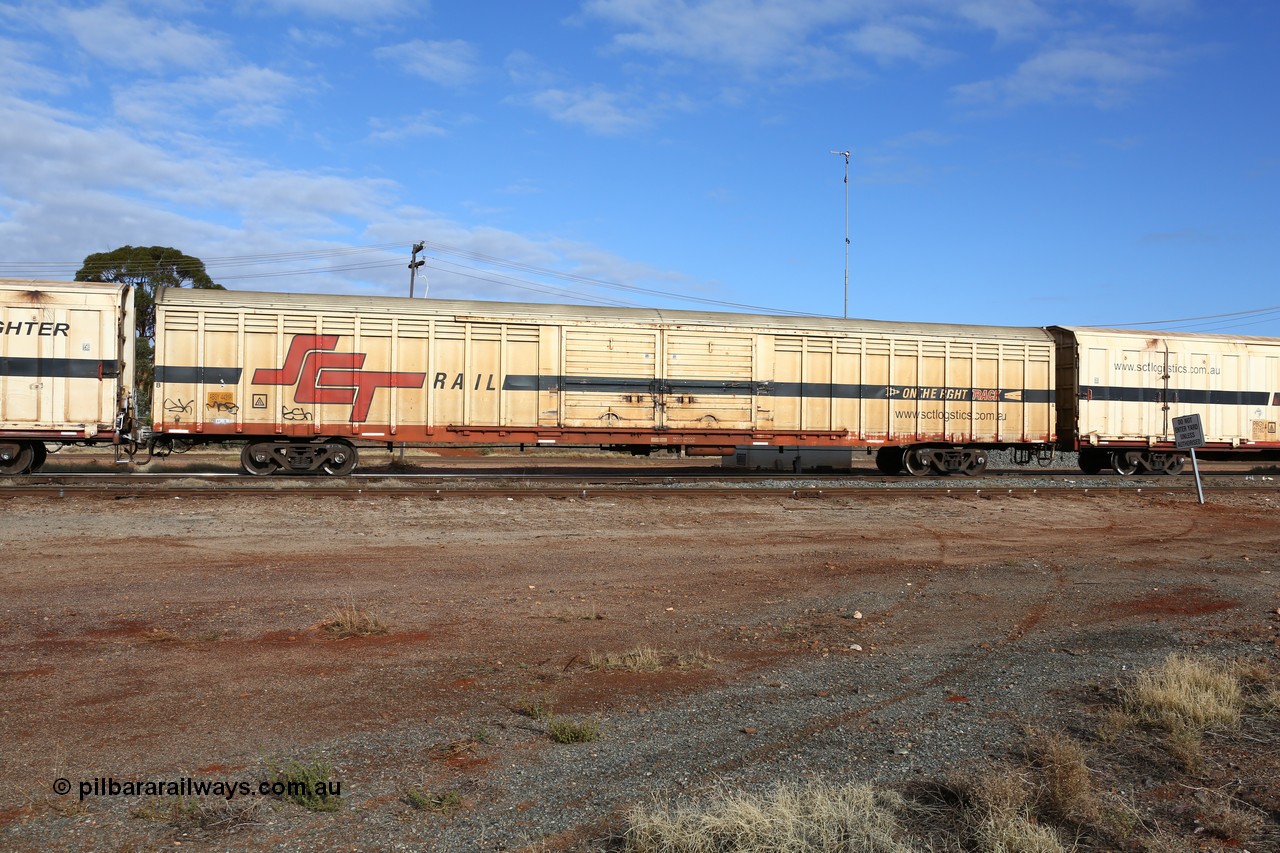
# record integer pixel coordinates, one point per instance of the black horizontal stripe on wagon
(62, 368)
(1123, 394)
(822, 390)
(198, 375)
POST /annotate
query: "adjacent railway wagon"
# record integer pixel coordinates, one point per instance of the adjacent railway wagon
(304, 379)
(1118, 392)
(66, 367)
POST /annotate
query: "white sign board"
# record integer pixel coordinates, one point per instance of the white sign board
(1187, 432)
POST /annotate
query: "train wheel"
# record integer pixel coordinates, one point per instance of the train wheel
(342, 459)
(256, 459)
(1126, 462)
(1175, 465)
(889, 460)
(977, 464)
(15, 458)
(1092, 461)
(914, 463)
(41, 453)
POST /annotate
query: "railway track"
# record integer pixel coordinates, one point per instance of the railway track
(590, 485)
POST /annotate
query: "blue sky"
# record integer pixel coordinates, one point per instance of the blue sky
(1022, 162)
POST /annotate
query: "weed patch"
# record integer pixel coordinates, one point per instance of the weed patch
(351, 621)
(536, 708)
(196, 813)
(1186, 693)
(308, 784)
(816, 818)
(645, 659)
(567, 730)
(445, 803)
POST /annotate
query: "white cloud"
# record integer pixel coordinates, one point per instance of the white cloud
(19, 71)
(525, 69)
(747, 34)
(1159, 9)
(246, 96)
(111, 34)
(100, 188)
(348, 10)
(889, 42)
(424, 124)
(1009, 19)
(447, 63)
(1102, 71)
(314, 39)
(68, 191)
(594, 108)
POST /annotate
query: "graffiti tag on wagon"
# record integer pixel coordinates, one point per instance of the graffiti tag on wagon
(322, 375)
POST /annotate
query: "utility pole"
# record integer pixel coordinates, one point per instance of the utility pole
(845, 155)
(414, 263)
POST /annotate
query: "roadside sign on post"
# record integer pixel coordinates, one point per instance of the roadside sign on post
(1188, 434)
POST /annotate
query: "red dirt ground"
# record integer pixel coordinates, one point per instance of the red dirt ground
(162, 638)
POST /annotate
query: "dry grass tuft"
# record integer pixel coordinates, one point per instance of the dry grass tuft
(815, 818)
(536, 707)
(1112, 723)
(999, 819)
(1066, 786)
(351, 621)
(1229, 824)
(1015, 833)
(1260, 681)
(1186, 746)
(1187, 693)
(200, 813)
(697, 660)
(642, 659)
(1001, 789)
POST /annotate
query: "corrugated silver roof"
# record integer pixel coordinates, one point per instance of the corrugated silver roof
(64, 286)
(532, 312)
(1217, 337)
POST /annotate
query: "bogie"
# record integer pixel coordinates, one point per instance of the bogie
(335, 457)
(921, 460)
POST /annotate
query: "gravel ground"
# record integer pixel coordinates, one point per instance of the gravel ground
(891, 639)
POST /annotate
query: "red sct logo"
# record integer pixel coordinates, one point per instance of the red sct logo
(324, 376)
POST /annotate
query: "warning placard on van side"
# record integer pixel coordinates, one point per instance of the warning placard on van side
(1187, 432)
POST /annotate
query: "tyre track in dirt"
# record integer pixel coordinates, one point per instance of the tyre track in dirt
(1030, 618)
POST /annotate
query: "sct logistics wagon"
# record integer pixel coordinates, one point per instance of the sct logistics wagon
(303, 379)
(1118, 392)
(66, 367)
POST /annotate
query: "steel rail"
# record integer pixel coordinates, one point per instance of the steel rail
(588, 491)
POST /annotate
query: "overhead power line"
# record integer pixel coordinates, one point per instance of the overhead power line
(1211, 322)
(304, 263)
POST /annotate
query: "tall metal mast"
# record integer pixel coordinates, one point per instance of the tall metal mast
(845, 155)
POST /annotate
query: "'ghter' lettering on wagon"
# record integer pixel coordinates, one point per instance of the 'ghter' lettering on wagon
(32, 327)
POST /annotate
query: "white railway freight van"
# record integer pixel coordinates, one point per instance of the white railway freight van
(1119, 391)
(305, 378)
(66, 367)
